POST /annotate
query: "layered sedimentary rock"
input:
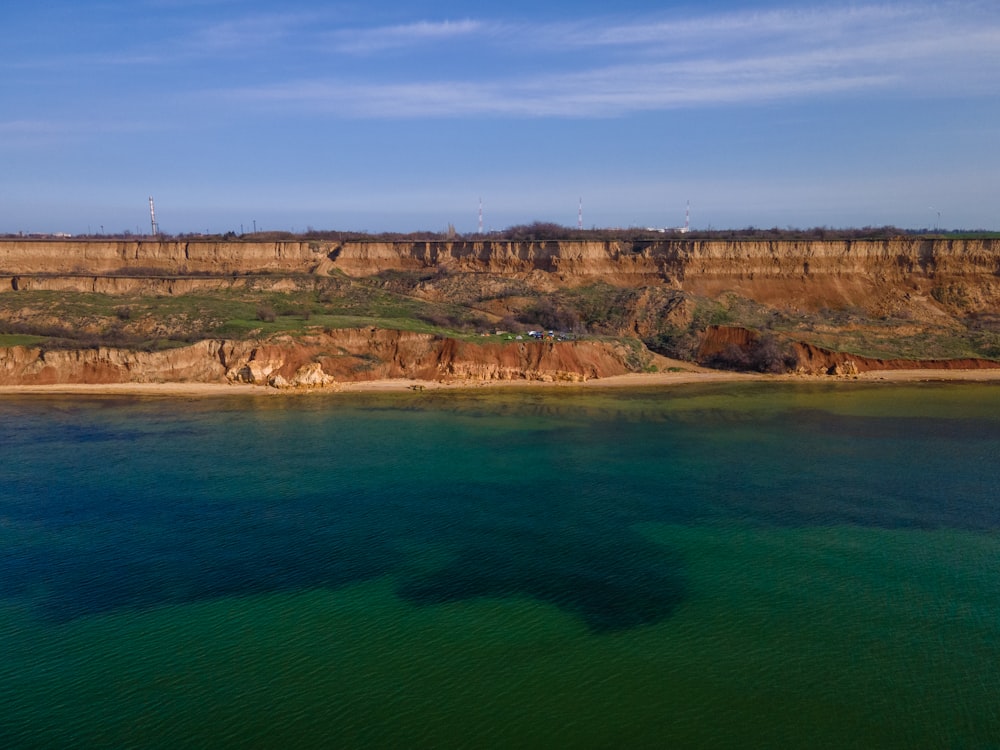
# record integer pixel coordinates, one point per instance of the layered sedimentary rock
(680, 260)
(814, 360)
(674, 259)
(97, 257)
(320, 359)
(880, 276)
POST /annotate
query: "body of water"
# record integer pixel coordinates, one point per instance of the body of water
(763, 565)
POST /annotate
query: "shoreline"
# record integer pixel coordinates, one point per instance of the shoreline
(398, 385)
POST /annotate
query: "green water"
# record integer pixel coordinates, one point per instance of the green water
(773, 567)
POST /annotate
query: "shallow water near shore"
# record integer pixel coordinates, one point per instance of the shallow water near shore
(728, 565)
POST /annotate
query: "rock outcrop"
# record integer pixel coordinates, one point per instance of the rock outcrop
(321, 359)
(815, 360)
(810, 359)
(201, 362)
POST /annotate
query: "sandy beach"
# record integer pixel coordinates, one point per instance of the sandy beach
(634, 380)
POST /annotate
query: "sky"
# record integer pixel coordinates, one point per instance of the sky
(406, 116)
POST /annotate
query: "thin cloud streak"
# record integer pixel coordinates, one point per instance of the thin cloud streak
(248, 34)
(742, 28)
(406, 35)
(236, 38)
(598, 96)
(908, 49)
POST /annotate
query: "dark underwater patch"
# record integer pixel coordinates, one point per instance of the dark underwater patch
(247, 502)
(612, 583)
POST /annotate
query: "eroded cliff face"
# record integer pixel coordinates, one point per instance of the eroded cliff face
(935, 285)
(810, 359)
(94, 257)
(815, 360)
(321, 359)
(881, 276)
(167, 286)
(675, 259)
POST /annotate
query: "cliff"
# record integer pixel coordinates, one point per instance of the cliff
(730, 342)
(320, 359)
(815, 360)
(678, 260)
(98, 257)
(893, 295)
(881, 275)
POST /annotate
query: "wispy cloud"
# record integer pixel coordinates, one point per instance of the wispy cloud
(185, 40)
(655, 64)
(249, 34)
(596, 67)
(749, 27)
(405, 35)
(598, 93)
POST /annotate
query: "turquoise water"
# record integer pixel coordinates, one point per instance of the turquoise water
(725, 566)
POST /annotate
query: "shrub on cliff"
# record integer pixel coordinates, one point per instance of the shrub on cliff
(456, 320)
(769, 355)
(539, 230)
(764, 354)
(674, 342)
(732, 357)
(303, 312)
(548, 314)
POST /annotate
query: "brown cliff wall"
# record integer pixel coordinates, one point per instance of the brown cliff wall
(344, 356)
(169, 257)
(683, 258)
(678, 260)
(167, 286)
(904, 276)
(884, 277)
(815, 360)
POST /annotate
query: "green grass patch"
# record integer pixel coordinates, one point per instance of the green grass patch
(19, 339)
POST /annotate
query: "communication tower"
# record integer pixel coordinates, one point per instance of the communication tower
(480, 215)
(579, 216)
(152, 218)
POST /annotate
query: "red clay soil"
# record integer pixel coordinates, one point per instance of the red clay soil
(816, 360)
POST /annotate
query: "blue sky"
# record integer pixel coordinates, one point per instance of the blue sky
(400, 116)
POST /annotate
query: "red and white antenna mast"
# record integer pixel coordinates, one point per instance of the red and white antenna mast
(687, 218)
(480, 215)
(152, 217)
(579, 216)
